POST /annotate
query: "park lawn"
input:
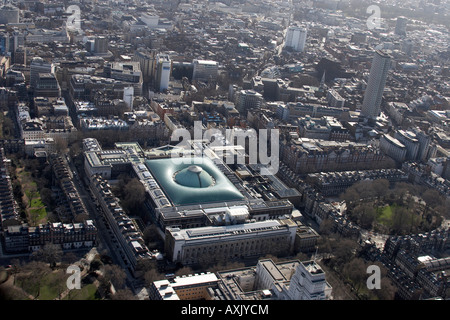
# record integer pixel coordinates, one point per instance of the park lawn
(36, 212)
(385, 214)
(38, 208)
(36, 202)
(47, 290)
(87, 292)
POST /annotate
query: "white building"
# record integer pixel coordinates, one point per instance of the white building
(205, 70)
(163, 70)
(375, 86)
(37, 66)
(308, 282)
(248, 99)
(393, 148)
(397, 110)
(296, 38)
(129, 71)
(128, 96)
(437, 165)
(409, 140)
(150, 20)
(230, 241)
(191, 287)
(424, 144)
(289, 280)
(334, 99)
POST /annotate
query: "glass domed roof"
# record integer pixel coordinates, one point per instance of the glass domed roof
(192, 181)
(194, 177)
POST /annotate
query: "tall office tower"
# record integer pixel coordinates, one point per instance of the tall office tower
(128, 97)
(147, 60)
(377, 79)
(296, 38)
(101, 45)
(410, 141)
(424, 144)
(4, 42)
(163, 68)
(400, 26)
(37, 66)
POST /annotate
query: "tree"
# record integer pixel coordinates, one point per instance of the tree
(81, 217)
(184, 271)
(114, 274)
(350, 195)
(17, 189)
(326, 227)
(75, 149)
(145, 264)
(46, 196)
(49, 253)
(32, 195)
(380, 187)
(365, 215)
(151, 234)
(432, 198)
(355, 271)
(151, 276)
(119, 187)
(400, 220)
(8, 128)
(234, 265)
(324, 247)
(443, 209)
(95, 264)
(134, 196)
(343, 251)
(34, 273)
(70, 257)
(123, 294)
(61, 145)
(16, 266)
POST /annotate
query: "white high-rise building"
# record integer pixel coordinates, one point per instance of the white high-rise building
(163, 68)
(128, 96)
(308, 282)
(377, 79)
(296, 38)
(410, 141)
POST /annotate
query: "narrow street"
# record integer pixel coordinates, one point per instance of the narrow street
(106, 239)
